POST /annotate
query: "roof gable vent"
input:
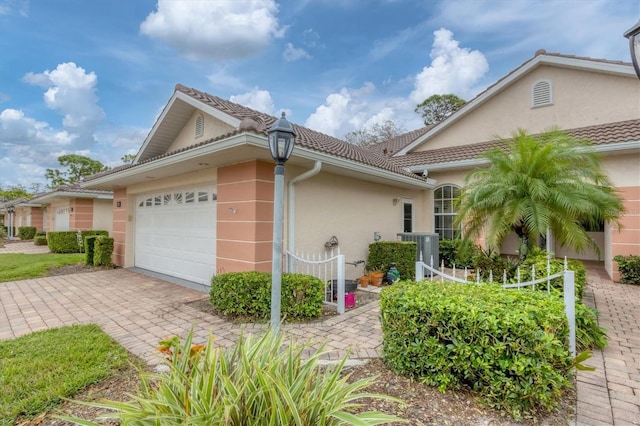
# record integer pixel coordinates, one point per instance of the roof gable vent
(541, 94)
(199, 126)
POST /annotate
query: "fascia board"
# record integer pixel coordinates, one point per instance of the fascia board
(620, 146)
(620, 69)
(233, 141)
(70, 194)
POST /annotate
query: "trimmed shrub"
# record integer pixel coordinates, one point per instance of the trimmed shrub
(457, 252)
(3, 232)
(102, 251)
(511, 347)
(40, 240)
(403, 253)
(63, 242)
(629, 267)
(249, 294)
(26, 232)
(68, 241)
(89, 245)
(6, 231)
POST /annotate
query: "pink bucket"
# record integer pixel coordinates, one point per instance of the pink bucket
(349, 300)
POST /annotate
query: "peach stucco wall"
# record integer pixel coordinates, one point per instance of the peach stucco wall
(352, 210)
(245, 217)
(580, 99)
(119, 230)
(626, 242)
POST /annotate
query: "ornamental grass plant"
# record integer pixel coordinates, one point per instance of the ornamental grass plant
(258, 381)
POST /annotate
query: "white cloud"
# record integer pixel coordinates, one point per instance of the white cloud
(220, 30)
(222, 78)
(292, 53)
(260, 100)
(453, 69)
(71, 92)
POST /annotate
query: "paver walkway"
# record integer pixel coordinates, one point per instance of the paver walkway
(138, 311)
(611, 394)
(23, 247)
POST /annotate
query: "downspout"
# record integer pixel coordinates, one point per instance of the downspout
(291, 211)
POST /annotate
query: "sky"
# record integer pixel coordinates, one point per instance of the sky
(90, 77)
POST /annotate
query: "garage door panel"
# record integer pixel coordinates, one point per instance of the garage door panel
(176, 239)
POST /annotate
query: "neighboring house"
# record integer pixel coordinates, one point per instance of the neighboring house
(72, 208)
(198, 199)
(26, 213)
(589, 98)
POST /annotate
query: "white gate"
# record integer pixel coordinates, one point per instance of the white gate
(568, 287)
(330, 269)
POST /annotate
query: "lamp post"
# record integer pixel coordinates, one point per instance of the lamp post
(633, 34)
(281, 140)
(11, 210)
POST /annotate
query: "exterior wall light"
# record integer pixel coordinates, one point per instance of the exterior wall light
(633, 34)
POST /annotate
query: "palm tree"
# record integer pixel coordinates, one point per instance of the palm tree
(548, 181)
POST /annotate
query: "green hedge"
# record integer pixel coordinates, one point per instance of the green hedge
(40, 240)
(102, 251)
(629, 267)
(26, 232)
(510, 347)
(89, 245)
(249, 294)
(383, 253)
(67, 241)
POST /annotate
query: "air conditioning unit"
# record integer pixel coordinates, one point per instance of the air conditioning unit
(428, 245)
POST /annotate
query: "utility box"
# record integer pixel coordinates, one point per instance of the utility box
(428, 245)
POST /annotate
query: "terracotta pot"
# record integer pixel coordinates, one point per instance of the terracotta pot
(376, 278)
(363, 281)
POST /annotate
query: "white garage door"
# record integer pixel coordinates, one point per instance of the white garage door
(61, 221)
(176, 233)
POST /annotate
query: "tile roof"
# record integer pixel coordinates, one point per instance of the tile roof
(72, 188)
(305, 137)
(601, 134)
(391, 146)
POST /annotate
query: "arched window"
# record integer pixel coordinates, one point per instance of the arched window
(444, 211)
(199, 126)
(541, 94)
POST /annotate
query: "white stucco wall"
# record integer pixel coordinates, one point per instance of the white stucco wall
(212, 128)
(103, 215)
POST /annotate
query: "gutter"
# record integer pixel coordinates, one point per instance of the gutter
(291, 205)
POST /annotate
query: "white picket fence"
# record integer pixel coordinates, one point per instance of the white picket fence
(568, 287)
(329, 268)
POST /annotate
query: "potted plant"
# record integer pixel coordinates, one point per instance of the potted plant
(376, 275)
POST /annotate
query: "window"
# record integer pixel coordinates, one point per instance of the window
(199, 126)
(444, 211)
(407, 216)
(189, 197)
(541, 94)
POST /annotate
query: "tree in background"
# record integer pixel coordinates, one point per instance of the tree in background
(128, 158)
(549, 181)
(76, 167)
(13, 193)
(378, 132)
(436, 108)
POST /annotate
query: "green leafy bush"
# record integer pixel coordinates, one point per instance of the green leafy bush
(68, 241)
(588, 333)
(102, 251)
(457, 252)
(89, 245)
(538, 259)
(40, 240)
(6, 231)
(511, 347)
(258, 381)
(3, 232)
(629, 267)
(402, 253)
(249, 294)
(26, 232)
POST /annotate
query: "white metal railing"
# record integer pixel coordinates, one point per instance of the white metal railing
(329, 268)
(568, 286)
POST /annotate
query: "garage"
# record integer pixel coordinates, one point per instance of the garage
(176, 233)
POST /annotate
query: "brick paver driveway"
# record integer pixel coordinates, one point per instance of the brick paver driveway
(138, 311)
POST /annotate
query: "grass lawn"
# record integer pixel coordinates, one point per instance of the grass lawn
(39, 369)
(20, 266)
